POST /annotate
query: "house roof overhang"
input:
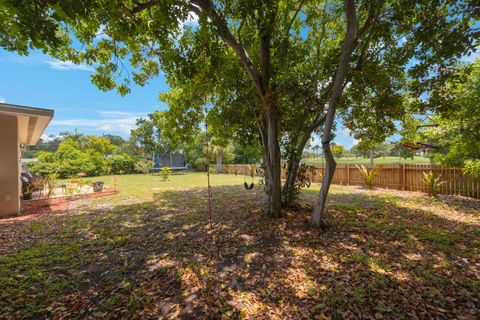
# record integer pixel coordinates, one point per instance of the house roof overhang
(31, 121)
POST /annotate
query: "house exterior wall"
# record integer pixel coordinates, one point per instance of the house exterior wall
(9, 166)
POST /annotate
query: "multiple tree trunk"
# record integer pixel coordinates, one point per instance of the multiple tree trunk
(261, 79)
(294, 157)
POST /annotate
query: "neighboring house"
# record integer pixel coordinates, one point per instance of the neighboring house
(19, 126)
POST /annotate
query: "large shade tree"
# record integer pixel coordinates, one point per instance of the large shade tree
(150, 135)
(208, 73)
(367, 50)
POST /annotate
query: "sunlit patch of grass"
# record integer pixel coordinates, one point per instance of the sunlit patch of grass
(374, 265)
(138, 300)
(40, 273)
(36, 226)
(442, 240)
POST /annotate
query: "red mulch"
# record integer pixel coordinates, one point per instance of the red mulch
(33, 208)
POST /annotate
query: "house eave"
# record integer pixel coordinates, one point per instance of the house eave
(31, 121)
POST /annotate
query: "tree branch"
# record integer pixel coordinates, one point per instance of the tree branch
(322, 35)
(144, 6)
(226, 34)
(265, 44)
(290, 24)
(239, 35)
(314, 125)
(369, 23)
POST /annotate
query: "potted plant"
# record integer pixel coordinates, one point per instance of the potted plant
(97, 186)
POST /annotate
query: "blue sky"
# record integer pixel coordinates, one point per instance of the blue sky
(40, 81)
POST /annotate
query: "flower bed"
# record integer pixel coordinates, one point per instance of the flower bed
(39, 206)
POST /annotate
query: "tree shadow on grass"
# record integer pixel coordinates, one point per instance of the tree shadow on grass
(380, 258)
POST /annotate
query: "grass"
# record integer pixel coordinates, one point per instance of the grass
(381, 160)
(145, 186)
(149, 252)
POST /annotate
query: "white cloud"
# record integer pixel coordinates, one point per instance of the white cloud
(106, 121)
(2, 100)
(36, 59)
(121, 114)
(67, 65)
(49, 137)
(119, 125)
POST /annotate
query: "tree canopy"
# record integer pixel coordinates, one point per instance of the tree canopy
(282, 68)
(453, 126)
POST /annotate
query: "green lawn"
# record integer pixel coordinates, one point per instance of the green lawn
(381, 160)
(149, 253)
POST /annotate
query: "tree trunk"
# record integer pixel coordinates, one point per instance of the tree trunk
(289, 187)
(371, 157)
(295, 158)
(330, 164)
(273, 171)
(218, 158)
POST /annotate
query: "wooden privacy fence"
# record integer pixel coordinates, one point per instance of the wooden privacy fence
(407, 177)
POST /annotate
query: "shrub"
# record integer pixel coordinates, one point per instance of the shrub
(165, 172)
(50, 184)
(121, 164)
(68, 161)
(369, 175)
(201, 163)
(251, 169)
(472, 167)
(37, 184)
(74, 186)
(45, 164)
(143, 165)
(433, 182)
(261, 175)
(91, 163)
(302, 179)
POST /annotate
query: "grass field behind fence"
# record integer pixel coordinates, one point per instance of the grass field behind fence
(381, 160)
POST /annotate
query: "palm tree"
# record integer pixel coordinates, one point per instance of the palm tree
(218, 152)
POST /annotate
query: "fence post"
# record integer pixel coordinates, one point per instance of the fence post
(402, 176)
(348, 174)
